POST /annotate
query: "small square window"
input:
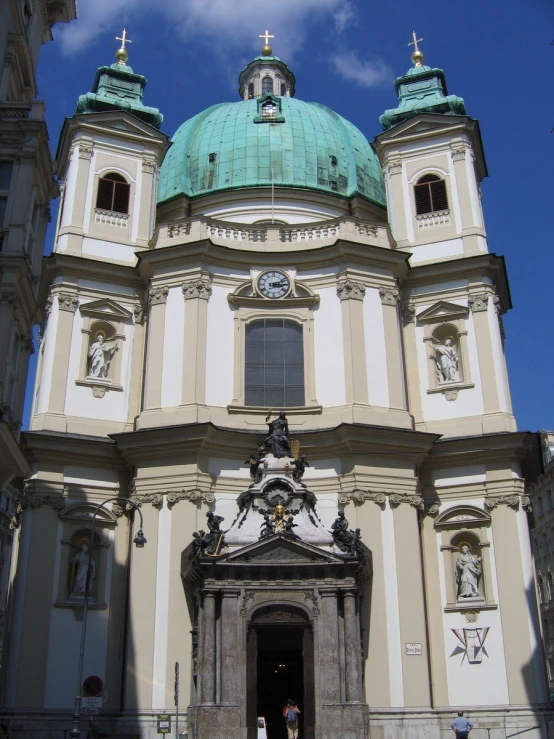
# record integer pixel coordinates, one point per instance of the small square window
(333, 184)
(333, 160)
(211, 158)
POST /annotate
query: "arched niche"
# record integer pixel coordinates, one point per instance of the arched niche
(464, 533)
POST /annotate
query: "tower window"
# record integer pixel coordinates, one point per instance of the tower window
(430, 195)
(267, 85)
(274, 372)
(113, 193)
(283, 89)
(211, 158)
(333, 160)
(251, 91)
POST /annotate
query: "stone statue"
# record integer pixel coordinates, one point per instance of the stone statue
(468, 572)
(300, 465)
(289, 526)
(347, 541)
(211, 543)
(278, 441)
(267, 526)
(81, 562)
(254, 461)
(100, 354)
(446, 362)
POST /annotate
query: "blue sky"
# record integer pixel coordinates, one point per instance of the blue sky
(346, 54)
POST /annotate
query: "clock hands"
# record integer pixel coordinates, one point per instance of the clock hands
(277, 284)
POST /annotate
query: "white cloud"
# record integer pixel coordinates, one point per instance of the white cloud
(364, 72)
(234, 24)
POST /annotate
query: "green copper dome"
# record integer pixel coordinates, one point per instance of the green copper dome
(237, 145)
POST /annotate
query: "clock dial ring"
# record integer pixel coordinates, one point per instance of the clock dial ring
(273, 284)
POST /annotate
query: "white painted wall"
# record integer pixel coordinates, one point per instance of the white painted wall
(79, 400)
(435, 407)
(375, 349)
(173, 348)
(436, 250)
(473, 684)
(220, 348)
(469, 474)
(109, 250)
(330, 383)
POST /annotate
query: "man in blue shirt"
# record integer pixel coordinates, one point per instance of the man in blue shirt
(461, 726)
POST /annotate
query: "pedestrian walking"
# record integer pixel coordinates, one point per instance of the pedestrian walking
(290, 713)
(461, 726)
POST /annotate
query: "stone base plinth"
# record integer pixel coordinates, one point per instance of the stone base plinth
(344, 720)
(214, 721)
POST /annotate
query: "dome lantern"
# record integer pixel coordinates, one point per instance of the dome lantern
(266, 74)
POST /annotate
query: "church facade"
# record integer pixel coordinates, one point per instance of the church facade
(274, 351)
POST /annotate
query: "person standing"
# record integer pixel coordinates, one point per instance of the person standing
(290, 713)
(461, 726)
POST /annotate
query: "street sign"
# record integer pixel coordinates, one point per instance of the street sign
(413, 649)
(164, 723)
(91, 706)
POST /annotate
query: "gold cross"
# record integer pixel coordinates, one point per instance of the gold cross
(415, 41)
(123, 38)
(266, 36)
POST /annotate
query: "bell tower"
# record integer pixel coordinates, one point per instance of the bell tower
(433, 163)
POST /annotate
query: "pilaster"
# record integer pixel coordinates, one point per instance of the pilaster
(479, 305)
(390, 298)
(229, 645)
(157, 299)
(351, 295)
(207, 687)
(329, 680)
(196, 294)
(67, 305)
(352, 647)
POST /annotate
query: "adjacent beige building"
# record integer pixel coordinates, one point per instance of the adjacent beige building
(269, 258)
(27, 186)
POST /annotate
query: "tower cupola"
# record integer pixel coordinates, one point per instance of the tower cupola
(266, 74)
(421, 90)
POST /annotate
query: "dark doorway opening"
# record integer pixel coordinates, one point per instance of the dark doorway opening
(280, 677)
(280, 666)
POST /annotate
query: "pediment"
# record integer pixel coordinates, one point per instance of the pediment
(122, 121)
(85, 512)
(462, 517)
(105, 308)
(442, 312)
(422, 123)
(278, 549)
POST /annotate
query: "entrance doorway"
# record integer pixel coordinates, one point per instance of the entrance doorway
(280, 666)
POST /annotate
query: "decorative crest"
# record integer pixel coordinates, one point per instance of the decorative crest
(121, 54)
(266, 49)
(417, 55)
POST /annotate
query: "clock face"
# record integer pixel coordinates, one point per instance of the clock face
(273, 284)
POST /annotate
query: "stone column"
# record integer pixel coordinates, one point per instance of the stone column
(351, 295)
(197, 294)
(329, 679)
(207, 694)
(352, 644)
(229, 646)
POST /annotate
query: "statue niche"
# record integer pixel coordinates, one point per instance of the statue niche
(101, 350)
(468, 567)
(445, 343)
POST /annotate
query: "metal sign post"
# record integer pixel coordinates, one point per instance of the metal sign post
(176, 700)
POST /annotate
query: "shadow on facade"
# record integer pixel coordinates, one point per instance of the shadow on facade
(38, 681)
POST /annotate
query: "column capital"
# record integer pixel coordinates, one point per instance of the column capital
(158, 295)
(389, 295)
(85, 151)
(230, 593)
(478, 302)
(350, 290)
(416, 501)
(513, 501)
(197, 289)
(68, 302)
(360, 496)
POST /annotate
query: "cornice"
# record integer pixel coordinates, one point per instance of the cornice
(468, 450)
(206, 253)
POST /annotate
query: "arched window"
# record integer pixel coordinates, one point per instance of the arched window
(274, 357)
(251, 91)
(113, 193)
(269, 110)
(430, 195)
(267, 85)
(283, 89)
